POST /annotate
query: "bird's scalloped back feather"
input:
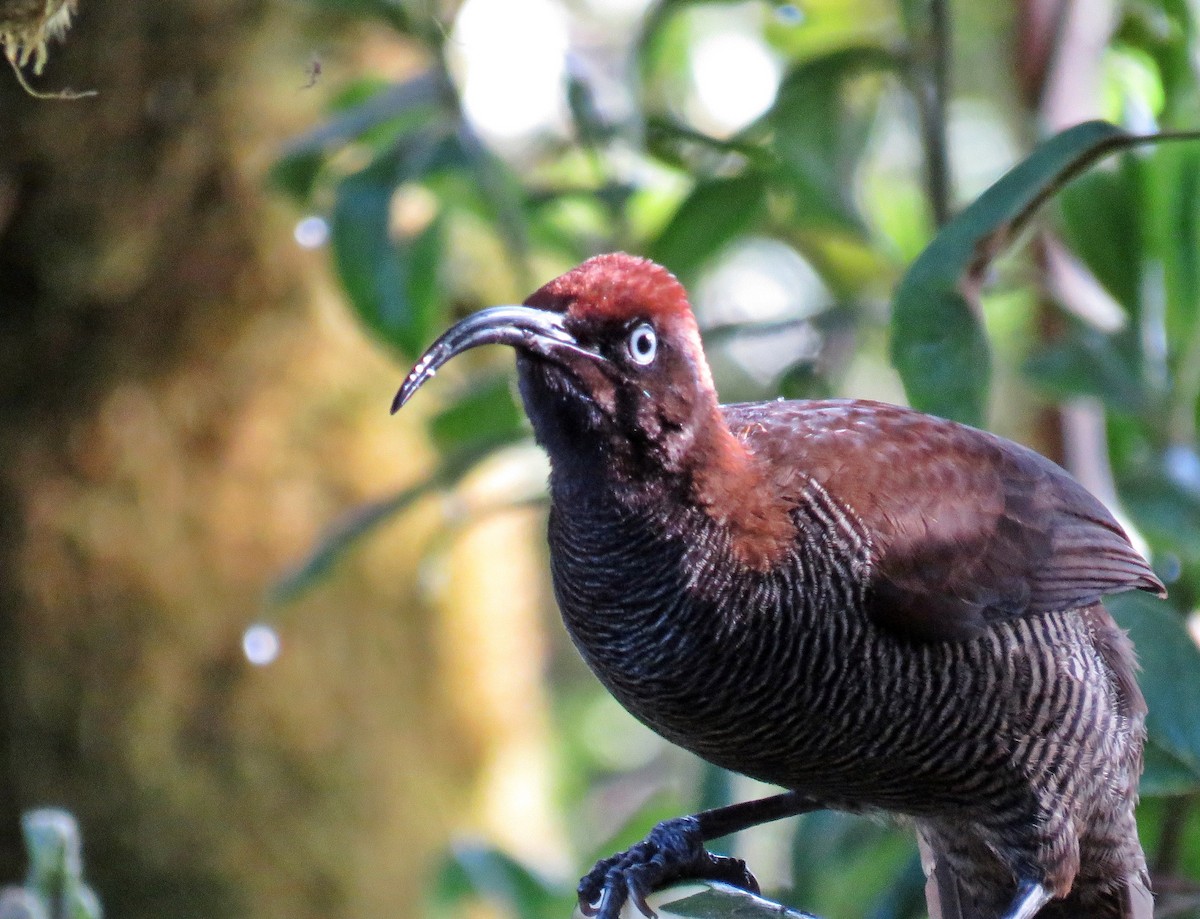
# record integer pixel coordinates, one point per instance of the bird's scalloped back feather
(967, 528)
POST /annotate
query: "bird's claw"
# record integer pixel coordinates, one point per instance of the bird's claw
(673, 851)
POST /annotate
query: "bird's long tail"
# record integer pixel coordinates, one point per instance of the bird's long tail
(1128, 899)
(942, 894)
(966, 881)
(946, 895)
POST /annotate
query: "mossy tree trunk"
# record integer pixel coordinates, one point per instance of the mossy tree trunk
(183, 409)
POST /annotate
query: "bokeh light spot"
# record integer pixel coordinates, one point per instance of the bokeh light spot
(260, 644)
(736, 78)
(510, 59)
(311, 232)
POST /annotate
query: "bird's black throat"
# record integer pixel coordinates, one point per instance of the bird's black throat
(602, 433)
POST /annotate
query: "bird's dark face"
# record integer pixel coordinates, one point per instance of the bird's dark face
(609, 358)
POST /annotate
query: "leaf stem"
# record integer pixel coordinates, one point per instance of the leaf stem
(932, 90)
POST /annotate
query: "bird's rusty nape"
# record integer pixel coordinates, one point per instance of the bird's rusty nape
(533, 330)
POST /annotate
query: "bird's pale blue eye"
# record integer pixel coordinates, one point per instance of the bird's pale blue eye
(643, 344)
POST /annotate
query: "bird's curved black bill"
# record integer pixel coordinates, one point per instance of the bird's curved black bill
(533, 330)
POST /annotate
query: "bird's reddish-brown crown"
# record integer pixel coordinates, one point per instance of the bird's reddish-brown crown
(614, 286)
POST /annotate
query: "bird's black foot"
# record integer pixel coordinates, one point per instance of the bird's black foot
(673, 851)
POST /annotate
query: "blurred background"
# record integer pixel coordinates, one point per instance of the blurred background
(283, 655)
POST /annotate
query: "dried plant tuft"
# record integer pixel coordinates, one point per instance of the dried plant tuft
(26, 27)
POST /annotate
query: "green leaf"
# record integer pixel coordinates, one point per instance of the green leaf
(364, 520)
(482, 419)
(840, 862)
(591, 127)
(1088, 362)
(1171, 215)
(904, 896)
(716, 212)
(819, 135)
(54, 847)
(338, 542)
(1170, 679)
(486, 872)
(423, 256)
(1166, 31)
(1164, 775)
(657, 18)
(392, 282)
(1144, 212)
(366, 260)
(715, 787)
(296, 174)
(376, 114)
(54, 883)
(1101, 222)
(675, 143)
(1168, 513)
(938, 342)
(939, 348)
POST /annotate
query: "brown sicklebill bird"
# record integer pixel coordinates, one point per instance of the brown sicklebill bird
(875, 609)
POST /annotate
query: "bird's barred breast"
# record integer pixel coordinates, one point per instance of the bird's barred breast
(781, 675)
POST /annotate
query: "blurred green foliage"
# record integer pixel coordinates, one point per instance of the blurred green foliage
(54, 887)
(409, 186)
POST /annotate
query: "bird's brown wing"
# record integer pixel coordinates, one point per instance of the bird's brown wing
(966, 528)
